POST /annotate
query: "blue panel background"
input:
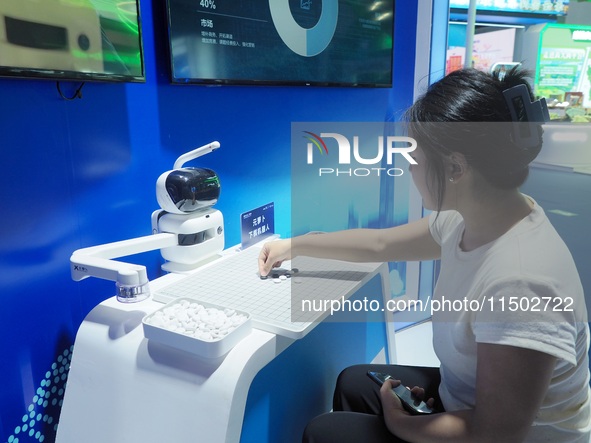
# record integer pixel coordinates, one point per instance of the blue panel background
(299, 383)
(82, 172)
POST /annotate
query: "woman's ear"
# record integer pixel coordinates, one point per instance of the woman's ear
(457, 167)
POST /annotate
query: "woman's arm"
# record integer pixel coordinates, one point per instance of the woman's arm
(511, 384)
(412, 241)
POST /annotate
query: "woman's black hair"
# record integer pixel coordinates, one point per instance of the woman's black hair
(466, 112)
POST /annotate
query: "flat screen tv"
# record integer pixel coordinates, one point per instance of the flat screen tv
(71, 40)
(282, 42)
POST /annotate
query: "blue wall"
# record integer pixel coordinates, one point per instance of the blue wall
(82, 172)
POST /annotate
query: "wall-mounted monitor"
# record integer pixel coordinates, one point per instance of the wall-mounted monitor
(71, 40)
(282, 42)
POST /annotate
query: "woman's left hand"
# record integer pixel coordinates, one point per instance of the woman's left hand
(392, 405)
(390, 401)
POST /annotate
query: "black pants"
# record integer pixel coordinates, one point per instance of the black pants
(357, 415)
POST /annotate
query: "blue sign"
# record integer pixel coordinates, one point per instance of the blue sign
(257, 224)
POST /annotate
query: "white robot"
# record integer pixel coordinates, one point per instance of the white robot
(187, 230)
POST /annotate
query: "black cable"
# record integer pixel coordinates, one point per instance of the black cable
(77, 93)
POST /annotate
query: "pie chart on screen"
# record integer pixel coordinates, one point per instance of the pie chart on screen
(306, 42)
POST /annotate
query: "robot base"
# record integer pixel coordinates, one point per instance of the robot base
(200, 238)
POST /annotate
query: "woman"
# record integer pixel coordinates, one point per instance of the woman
(514, 370)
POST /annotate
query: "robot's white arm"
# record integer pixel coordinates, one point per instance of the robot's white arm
(132, 280)
(195, 153)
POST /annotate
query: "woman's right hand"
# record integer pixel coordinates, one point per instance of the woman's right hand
(273, 254)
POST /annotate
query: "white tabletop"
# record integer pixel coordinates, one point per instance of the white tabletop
(124, 388)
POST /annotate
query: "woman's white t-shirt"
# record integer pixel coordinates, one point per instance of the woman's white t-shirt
(520, 290)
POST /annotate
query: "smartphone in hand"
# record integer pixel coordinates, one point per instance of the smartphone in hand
(409, 401)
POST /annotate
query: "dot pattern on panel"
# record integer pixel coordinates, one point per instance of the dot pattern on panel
(40, 421)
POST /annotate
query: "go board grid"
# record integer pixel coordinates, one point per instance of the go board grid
(233, 281)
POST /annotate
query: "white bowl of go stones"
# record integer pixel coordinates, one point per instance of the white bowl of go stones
(203, 329)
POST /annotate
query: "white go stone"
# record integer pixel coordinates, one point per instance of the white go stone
(194, 319)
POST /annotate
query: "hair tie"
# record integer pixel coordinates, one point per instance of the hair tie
(527, 117)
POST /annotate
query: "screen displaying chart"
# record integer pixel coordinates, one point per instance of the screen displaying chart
(314, 42)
